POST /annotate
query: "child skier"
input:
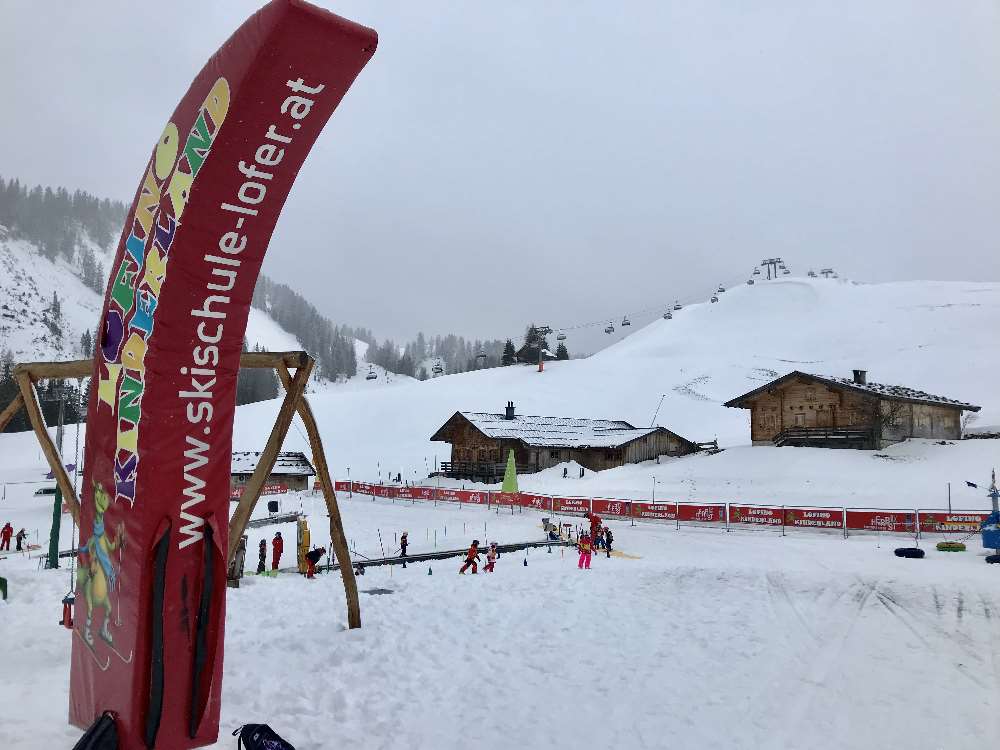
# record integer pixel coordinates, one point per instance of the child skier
(261, 556)
(584, 546)
(599, 538)
(277, 547)
(5, 534)
(491, 558)
(471, 558)
(21, 536)
(313, 557)
(403, 543)
(608, 539)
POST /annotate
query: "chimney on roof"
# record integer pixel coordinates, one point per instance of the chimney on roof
(509, 414)
(861, 377)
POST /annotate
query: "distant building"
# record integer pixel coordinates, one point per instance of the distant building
(802, 409)
(291, 469)
(480, 443)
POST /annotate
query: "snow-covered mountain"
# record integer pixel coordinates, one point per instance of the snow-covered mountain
(934, 336)
(29, 333)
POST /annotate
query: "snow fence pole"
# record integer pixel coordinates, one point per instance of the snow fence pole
(843, 515)
(782, 520)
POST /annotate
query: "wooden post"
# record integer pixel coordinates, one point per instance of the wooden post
(238, 522)
(11, 409)
(27, 388)
(337, 537)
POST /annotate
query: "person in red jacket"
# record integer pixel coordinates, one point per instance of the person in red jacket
(583, 544)
(471, 558)
(313, 557)
(277, 547)
(595, 524)
(5, 534)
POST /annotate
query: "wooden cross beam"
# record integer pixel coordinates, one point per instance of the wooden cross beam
(27, 374)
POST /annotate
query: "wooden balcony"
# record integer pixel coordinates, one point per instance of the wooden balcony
(481, 470)
(826, 437)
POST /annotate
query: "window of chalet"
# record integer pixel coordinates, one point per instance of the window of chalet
(800, 420)
(553, 454)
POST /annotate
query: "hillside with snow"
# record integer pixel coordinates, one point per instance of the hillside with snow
(939, 337)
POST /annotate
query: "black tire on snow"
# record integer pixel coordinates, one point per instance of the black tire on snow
(914, 553)
(993, 559)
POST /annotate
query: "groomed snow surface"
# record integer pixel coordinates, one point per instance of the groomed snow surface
(695, 638)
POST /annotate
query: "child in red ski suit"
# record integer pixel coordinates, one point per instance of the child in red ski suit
(277, 547)
(585, 549)
(491, 558)
(313, 557)
(5, 534)
(471, 558)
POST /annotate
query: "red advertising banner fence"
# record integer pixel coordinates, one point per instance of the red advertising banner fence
(268, 489)
(815, 518)
(943, 522)
(151, 594)
(896, 521)
(756, 515)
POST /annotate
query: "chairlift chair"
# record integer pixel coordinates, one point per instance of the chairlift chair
(437, 369)
(677, 305)
(372, 375)
(720, 290)
(811, 274)
(625, 321)
(561, 337)
(714, 298)
(750, 281)
(756, 272)
(668, 315)
(610, 328)
(785, 272)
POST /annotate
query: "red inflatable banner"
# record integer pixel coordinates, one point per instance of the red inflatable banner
(151, 591)
(755, 515)
(902, 521)
(815, 518)
(942, 522)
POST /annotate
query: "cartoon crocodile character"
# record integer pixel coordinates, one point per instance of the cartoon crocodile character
(97, 573)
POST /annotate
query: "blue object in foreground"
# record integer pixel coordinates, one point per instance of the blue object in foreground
(991, 531)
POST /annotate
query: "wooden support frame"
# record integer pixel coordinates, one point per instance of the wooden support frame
(27, 374)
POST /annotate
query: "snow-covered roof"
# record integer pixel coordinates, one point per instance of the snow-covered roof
(291, 463)
(891, 392)
(556, 432)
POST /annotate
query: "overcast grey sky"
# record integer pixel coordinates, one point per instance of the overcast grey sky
(564, 161)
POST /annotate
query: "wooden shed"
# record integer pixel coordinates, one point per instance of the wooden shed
(829, 412)
(480, 443)
(291, 469)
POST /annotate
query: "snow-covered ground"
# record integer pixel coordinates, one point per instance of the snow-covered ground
(693, 638)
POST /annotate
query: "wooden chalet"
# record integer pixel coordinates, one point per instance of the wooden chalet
(816, 410)
(480, 443)
(291, 469)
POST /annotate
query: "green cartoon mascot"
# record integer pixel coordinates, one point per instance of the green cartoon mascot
(97, 573)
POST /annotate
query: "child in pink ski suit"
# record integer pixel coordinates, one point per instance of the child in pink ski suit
(585, 549)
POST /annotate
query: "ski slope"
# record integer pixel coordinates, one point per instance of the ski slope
(695, 638)
(935, 336)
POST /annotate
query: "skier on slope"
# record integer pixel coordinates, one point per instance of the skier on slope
(471, 558)
(608, 539)
(404, 541)
(21, 536)
(5, 534)
(312, 558)
(277, 547)
(491, 558)
(585, 548)
(261, 556)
